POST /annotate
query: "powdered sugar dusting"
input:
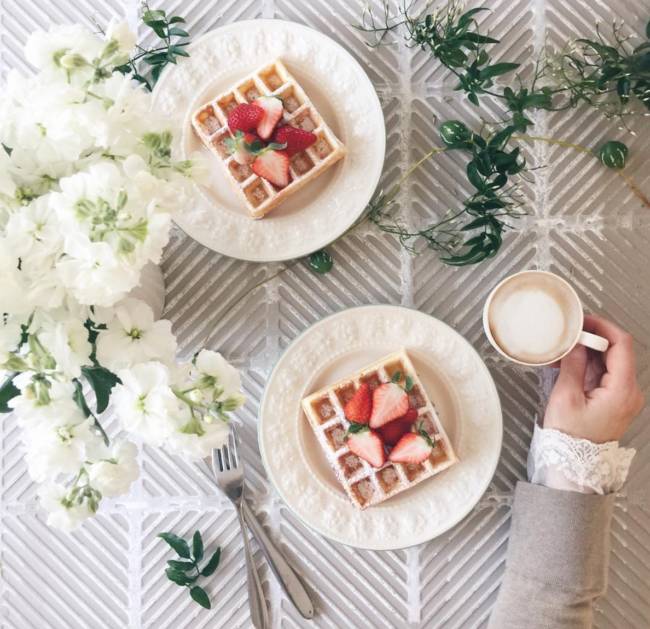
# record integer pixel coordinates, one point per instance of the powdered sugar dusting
(359, 123)
(430, 508)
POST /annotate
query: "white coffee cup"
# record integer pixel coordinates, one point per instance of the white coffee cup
(535, 318)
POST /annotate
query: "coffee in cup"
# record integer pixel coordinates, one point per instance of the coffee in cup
(536, 318)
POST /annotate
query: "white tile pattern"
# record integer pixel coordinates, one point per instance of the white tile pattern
(585, 225)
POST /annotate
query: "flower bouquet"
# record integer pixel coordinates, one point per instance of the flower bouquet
(88, 184)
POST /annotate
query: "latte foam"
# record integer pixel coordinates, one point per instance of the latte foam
(534, 318)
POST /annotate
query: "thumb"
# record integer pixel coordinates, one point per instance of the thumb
(573, 368)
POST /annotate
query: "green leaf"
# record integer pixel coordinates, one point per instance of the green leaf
(102, 382)
(151, 15)
(476, 38)
(176, 19)
(397, 376)
(80, 399)
(197, 546)
(178, 32)
(199, 595)
(408, 384)
(647, 30)
(613, 154)
(466, 17)
(474, 177)
(8, 391)
(321, 262)
(180, 565)
(212, 565)
(177, 543)
(498, 69)
(357, 428)
(481, 221)
(177, 576)
(473, 98)
(179, 51)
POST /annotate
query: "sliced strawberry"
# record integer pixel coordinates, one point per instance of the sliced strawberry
(296, 139)
(359, 407)
(389, 401)
(393, 431)
(244, 146)
(411, 415)
(245, 117)
(413, 447)
(367, 444)
(273, 166)
(272, 108)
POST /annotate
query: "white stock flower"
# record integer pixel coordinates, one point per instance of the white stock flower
(194, 446)
(113, 476)
(10, 333)
(145, 403)
(227, 381)
(123, 37)
(62, 48)
(44, 402)
(66, 340)
(93, 272)
(62, 449)
(132, 336)
(63, 513)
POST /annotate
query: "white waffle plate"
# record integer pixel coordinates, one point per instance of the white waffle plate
(343, 95)
(459, 385)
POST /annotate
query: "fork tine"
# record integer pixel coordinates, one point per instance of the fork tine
(232, 442)
(219, 460)
(225, 455)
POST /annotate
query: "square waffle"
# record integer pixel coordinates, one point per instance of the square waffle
(364, 484)
(210, 124)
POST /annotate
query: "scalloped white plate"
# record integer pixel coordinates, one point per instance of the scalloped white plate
(340, 90)
(460, 386)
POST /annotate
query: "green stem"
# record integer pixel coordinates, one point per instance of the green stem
(631, 184)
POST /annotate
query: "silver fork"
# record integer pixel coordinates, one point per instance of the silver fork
(229, 474)
(284, 573)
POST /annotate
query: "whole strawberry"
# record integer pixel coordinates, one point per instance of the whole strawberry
(296, 139)
(245, 117)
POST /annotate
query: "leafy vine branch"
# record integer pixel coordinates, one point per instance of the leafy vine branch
(609, 75)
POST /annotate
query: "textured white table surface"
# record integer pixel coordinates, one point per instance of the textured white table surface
(586, 225)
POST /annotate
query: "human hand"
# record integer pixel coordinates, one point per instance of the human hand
(596, 396)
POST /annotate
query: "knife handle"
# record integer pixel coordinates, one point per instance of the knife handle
(284, 573)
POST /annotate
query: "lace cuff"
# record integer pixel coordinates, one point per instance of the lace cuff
(560, 461)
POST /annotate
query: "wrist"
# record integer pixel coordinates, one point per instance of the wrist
(561, 461)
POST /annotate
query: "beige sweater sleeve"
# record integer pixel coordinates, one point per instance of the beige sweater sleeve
(557, 559)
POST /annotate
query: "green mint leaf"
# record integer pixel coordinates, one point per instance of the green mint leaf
(177, 543)
(102, 382)
(199, 595)
(177, 576)
(397, 376)
(176, 19)
(212, 564)
(197, 546)
(353, 429)
(408, 384)
(183, 566)
(321, 262)
(8, 391)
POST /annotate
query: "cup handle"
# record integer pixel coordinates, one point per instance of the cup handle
(593, 341)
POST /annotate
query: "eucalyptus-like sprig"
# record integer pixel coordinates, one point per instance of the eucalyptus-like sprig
(146, 65)
(601, 74)
(186, 570)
